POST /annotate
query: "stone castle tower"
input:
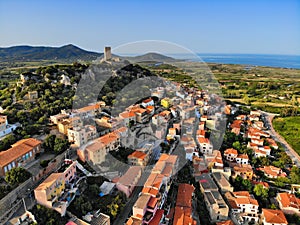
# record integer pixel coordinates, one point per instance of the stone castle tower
(107, 53)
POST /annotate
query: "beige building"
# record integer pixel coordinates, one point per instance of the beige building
(222, 182)
(288, 203)
(95, 152)
(216, 206)
(138, 158)
(81, 135)
(69, 123)
(56, 119)
(58, 190)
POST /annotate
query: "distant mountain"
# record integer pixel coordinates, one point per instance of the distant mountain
(151, 57)
(65, 53)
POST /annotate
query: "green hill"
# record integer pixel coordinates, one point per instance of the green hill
(67, 53)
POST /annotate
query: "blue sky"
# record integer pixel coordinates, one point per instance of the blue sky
(204, 26)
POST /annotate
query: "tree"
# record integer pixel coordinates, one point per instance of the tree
(55, 144)
(247, 185)
(17, 175)
(94, 189)
(7, 142)
(236, 145)
(60, 145)
(295, 175)
(260, 191)
(49, 143)
(46, 216)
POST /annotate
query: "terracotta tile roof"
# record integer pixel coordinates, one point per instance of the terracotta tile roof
(151, 191)
(49, 181)
(32, 142)
(272, 142)
(167, 171)
(134, 221)
(164, 113)
(130, 176)
(152, 202)
(182, 216)
(243, 156)
(231, 151)
(236, 124)
(101, 142)
(89, 108)
(147, 100)
(127, 114)
(150, 107)
(157, 217)
(272, 171)
(201, 132)
(289, 200)
(184, 195)
(203, 140)
(18, 150)
(243, 168)
(274, 216)
(260, 152)
(138, 155)
(154, 180)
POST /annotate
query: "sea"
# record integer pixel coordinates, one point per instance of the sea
(283, 61)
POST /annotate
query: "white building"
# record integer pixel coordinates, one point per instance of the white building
(81, 135)
(6, 128)
(205, 146)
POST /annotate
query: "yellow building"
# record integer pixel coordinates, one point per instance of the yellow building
(165, 103)
(58, 190)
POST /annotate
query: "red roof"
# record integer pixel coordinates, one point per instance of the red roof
(274, 216)
(138, 154)
(184, 196)
(157, 217)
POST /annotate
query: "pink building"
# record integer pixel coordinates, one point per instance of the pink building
(59, 189)
(129, 180)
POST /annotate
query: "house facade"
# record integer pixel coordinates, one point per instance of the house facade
(19, 154)
(59, 189)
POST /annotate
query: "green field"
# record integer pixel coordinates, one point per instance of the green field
(289, 128)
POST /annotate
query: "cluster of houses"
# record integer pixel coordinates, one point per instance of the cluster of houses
(187, 117)
(150, 207)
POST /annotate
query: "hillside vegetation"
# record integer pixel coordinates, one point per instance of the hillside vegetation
(289, 128)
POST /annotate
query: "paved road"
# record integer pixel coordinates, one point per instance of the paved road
(288, 149)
